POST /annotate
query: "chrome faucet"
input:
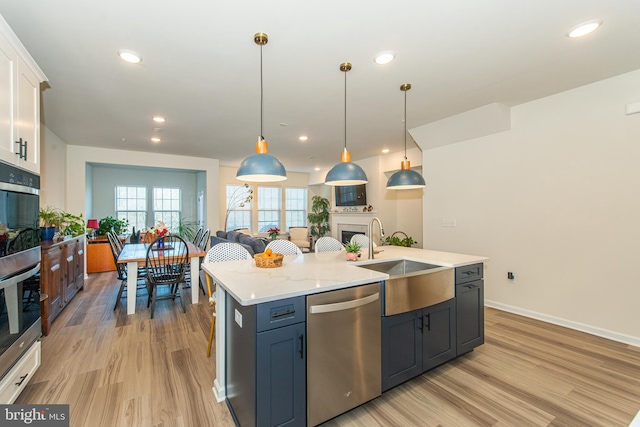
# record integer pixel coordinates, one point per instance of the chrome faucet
(370, 231)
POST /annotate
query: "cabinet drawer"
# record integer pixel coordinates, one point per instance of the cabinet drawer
(469, 273)
(276, 314)
(18, 377)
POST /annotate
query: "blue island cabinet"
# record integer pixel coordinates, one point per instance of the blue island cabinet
(266, 363)
(414, 342)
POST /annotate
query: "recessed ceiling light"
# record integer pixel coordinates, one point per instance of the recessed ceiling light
(316, 169)
(584, 28)
(159, 119)
(303, 138)
(155, 139)
(385, 151)
(129, 56)
(384, 57)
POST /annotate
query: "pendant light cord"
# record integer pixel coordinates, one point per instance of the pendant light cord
(405, 125)
(262, 95)
(345, 111)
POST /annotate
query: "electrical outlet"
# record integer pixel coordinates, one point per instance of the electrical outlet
(511, 277)
(448, 222)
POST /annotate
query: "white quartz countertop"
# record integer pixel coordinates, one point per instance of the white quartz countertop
(313, 273)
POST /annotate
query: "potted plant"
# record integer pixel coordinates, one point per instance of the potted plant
(119, 226)
(71, 225)
(394, 240)
(49, 219)
(273, 232)
(352, 249)
(319, 218)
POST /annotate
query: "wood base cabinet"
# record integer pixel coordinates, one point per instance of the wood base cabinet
(61, 276)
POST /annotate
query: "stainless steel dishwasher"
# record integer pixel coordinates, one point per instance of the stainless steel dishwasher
(343, 351)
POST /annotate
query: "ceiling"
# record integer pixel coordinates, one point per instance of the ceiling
(201, 68)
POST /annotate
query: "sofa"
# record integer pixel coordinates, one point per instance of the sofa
(254, 245)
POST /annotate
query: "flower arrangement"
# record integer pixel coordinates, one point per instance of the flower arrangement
(159, 229)
(273, 232)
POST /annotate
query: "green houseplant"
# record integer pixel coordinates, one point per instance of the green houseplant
(119, 226)
(71, 224)
(50, 217)
(352, 249)
(394, 240)
(319, 217)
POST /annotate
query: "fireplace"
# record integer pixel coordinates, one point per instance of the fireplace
(347, 235)
(345, 231)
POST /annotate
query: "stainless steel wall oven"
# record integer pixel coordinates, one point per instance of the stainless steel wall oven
(20, 324)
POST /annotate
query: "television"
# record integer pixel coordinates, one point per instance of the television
(351, 195)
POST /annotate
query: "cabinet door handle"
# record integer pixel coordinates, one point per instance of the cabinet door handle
(472, 287)
(22, 378)
(301, 337)
(25, 150)
(428, 321)
(284, 313)
(421, 324)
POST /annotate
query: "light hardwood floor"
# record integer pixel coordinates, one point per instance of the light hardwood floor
(119, 370)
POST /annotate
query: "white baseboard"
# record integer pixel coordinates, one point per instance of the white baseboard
(604, 333)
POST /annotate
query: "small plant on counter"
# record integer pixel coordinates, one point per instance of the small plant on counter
(352, 247)
(70, 224)
(394, 240)
(50, 216)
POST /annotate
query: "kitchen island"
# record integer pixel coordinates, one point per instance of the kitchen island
(301, 276)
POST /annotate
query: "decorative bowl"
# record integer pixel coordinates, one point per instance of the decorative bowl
(273, 261)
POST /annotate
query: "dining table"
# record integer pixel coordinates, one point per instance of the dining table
(135, 254)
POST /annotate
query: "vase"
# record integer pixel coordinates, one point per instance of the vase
(352, 256)
(161, 243)
(47, 233)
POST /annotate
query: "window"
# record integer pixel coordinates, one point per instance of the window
(238, 207)
(131, 204)
(296, 207)
(269, 205)
(166, 207)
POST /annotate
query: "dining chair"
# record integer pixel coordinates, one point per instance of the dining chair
(328, 244)
(166, 267)
(300, 236)
(198, 235)
(121, 269)
(362, 240)
(227, 251)
(202, 242)
(284, 247)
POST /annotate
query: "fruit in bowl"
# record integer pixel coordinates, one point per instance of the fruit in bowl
(268, 259)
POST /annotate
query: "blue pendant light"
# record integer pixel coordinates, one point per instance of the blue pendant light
(262, 166)
(405, 178)
(345, 172)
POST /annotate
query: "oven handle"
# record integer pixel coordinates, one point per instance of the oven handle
(339, 306)
(20, 277)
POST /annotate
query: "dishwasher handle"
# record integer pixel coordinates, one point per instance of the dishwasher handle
(346, 305)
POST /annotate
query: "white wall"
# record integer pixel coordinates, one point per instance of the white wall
(554, 200)
(78, 157)
(53, 165)
(107, 177)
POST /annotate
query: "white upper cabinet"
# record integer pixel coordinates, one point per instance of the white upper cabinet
(20, 79)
